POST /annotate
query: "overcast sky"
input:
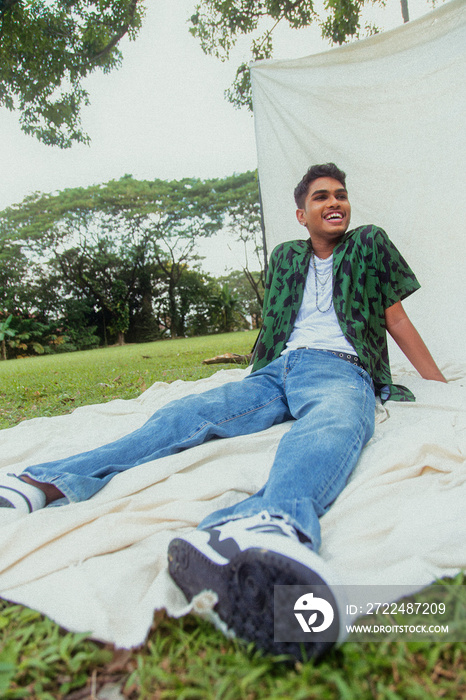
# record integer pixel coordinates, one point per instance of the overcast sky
(161, 115)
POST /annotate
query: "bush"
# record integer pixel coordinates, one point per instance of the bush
(80, 338)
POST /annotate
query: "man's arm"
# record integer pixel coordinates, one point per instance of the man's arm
(408, 339)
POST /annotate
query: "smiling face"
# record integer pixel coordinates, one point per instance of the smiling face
(326, 214)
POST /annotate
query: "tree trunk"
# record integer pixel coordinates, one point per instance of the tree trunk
(173, 311)
(404, 10)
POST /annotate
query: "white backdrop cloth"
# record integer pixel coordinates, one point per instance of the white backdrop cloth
(100, 566)
(390, 111)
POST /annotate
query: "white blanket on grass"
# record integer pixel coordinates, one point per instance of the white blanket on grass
(100, 566)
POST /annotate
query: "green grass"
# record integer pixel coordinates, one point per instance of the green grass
(182, 659)
(55, 384)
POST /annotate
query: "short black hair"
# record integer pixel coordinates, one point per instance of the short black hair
(314, 172)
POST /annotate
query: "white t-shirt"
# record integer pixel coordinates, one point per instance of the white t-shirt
(318, 328)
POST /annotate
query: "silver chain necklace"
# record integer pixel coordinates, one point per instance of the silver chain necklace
(316, 278)
(322, 278)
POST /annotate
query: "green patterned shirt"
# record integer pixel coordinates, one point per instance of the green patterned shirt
(369, 275)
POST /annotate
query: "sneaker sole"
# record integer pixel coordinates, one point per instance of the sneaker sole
(245, 590)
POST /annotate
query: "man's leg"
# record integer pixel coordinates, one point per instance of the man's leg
(335, 415)
(334, 410)
(243, 551)
(236, 408)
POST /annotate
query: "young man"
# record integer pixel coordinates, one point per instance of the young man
(320, 359)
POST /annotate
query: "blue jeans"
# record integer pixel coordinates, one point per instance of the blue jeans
(330, 401)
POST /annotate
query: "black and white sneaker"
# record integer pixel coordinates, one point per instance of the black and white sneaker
(241, 561)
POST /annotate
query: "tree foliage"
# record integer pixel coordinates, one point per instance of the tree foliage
(219, 23)
(243, 222)
(5, 332)
(119, 259)
(245, 293)
(97, 240)
(47, 48)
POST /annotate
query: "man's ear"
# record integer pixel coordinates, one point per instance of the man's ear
(300, 216)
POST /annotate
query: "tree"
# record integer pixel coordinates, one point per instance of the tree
(47, 48)
(120, 304)
(166, 219)
(13, 270)
(198, 303)
(248, 304)
(96, 272)
(218, 24)
(229, 316)
(116, 243)
(70, 255)
(243, 222)
(119, 258)
(5, 332)
(76, 319)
